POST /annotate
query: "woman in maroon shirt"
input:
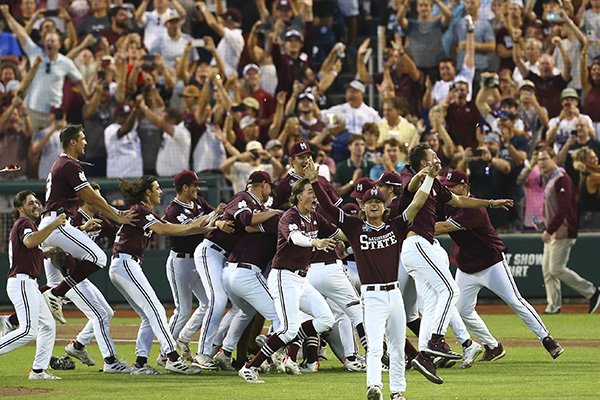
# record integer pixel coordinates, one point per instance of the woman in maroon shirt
(590, 82)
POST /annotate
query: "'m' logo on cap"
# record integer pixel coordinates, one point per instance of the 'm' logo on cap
(303, 146)
(449, 176)
(359, 187)
(374, 192)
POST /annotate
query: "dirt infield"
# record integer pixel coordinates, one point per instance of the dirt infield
(8, 391)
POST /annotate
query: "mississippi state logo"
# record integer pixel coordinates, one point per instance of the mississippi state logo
(303, 146)
(359, 187)
(82, 177)
(449, 176)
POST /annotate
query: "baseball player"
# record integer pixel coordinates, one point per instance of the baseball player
(427, 262)
(181, 270)
(26, 262)
(300, 229)
(479, 254)
(127, 275)
(246, 208)
(65, 186)
(379, 240)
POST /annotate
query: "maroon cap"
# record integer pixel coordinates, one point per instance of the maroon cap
(122, 109)
(299, 148)
(351, 208)
(283, 5)
(186, 178)
(361, 186)
(373, 193)
(456, 177)
(232, 15)
(389, 178)
(259, 176)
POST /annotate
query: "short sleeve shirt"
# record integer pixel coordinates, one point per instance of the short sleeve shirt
(284, 190)
(257, 248)
(174, 153)
(133, 239)
(23, 260)
(124, 154)
(182, 213)
(65, 179)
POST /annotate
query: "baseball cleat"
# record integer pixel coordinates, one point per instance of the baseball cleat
(55, 304)
(441, 349)
(374, 393)
(145, 369)
(223, 361)
(396, 396)
(310, 367)
(162, 361)
(278, 358)
(291, 366)
(261, 340)
(594, 301)
(354, 366)
(493, 354)
(444, 362)
(118, 367)
(426, 367)
(82, 355)
(184, 349)
(5, 325)
(552, 346)
(182, 367)
(44, 375)
(470, 354)
(205, 362)
(250, 374)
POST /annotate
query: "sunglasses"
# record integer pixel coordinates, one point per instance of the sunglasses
(48, 67)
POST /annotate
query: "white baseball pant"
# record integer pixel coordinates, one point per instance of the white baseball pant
(499, 280)
(352, 271)
(383, 314)
(209, 263)
(293, 293)
(35, 320)
(409, 293)
(428, 265)
(88, 298)
(127, 276)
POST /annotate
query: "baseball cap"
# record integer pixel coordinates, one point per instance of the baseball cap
(507, 115)
(249, 67)
(492, 137)
(12, 85)
(373, 193)
(517, 2)
(351, 208)
(247, 121)
(358, 85)
(361, 186)
(568, 93)
(455, 177)
(461, 79)
(293, 33)
(253, 145)
(527, 83)
(171, 15)
(190, 91)
(122, 109)
(283, 5)
(186, 178)
(251, 102)
(306, 95)
(299, 148)
(273, 143)
(389, 178)
(259, 176)
(232, 15)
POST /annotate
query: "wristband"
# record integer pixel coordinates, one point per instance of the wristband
(491, 204)
(334, 73)
(117, 211)
(426, 185)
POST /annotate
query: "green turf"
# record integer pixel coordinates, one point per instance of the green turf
(525, 373)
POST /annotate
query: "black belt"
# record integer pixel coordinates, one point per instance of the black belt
(245, 266)
(183, 255)
(219, 249)
(134, 258)
(381, 288)
(330, 262)
(301, 272)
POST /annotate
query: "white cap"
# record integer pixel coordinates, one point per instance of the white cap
(247, 121)
(517, 2)
(249, 67)
(358, 85)
(253, 145)
(13, 85)
(170, 15)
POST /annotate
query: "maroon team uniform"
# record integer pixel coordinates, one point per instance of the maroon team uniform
(181, 213)
(133, 239)
(65, 179)
(22, 259)
(284, 190)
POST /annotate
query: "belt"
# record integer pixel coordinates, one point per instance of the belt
(124, 255)
(219, 249)
(382, 288)
(22, 275)
(330, 262)
(183, 255)
(301, 272)
(245, 266)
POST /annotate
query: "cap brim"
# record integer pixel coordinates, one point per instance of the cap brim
(450, 183)
(368, 197)
(302, 153)
(388, 183)
(197, 181)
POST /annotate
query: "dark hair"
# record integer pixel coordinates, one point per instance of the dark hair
(448, 60)
(135, 191)
(19, 201)
(13, 66)
(549, 150)
(371, 128)
(392, 143)
(112, 12)
(174, 113)
(417, 154)
(354, 138)
(70, 132)
(509, 102)
(297, 189)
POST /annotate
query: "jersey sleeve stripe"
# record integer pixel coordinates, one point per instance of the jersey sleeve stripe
(337, 203)
(240, 210)
(456, 224)
(150, 224)
(79, 187)
(334, 234)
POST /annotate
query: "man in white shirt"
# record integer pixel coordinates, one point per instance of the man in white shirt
(560, 127)
(47, 142)
(172, 45)
(354, 110)
(123, 146)
(532, 53)
(153, 21)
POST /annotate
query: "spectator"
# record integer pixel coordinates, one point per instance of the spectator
(153, 21)
(118, 25)
(123, 146)
(354, 110)
(97, 22)
(194, 113)
(9, 48)
(533, 115)
(589, 188)
(310, 125)
(227, 26)
(573, 40)
(47, 86)
(8, 73)
(15, 134)
(530, 178)
(505, 36)
(172, 45)
(46, 144)
(267, 104)
(275, 148)
(28, 8)
(239, 167)
(395, 126)
(349, 171)
(373, 151)
(492, 119)
(462, 117)
(283, 13)
(390, 159)
(590, 82)
(547, 85)
(532, 53)
(581, 136)
(590, 22)
(560, 234)
(39, 25)
(560, 127)
(439, 140)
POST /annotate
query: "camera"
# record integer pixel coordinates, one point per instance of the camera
(470, 24)
(574, 132)
(491, 81)
(51, 13)
(477, 153)
(264, 28)
(101, 75)
(148, 62)
(255, 155)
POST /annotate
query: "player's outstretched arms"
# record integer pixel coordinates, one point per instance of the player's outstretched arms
(423, 193)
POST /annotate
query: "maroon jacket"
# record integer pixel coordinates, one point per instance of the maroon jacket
(560, 208)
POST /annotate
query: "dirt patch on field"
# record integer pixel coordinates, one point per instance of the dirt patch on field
(8, 391)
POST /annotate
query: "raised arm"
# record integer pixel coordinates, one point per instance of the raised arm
(212, 22)
(28, 77)
(585, 73)
(566, 71)
(154, 118)
(423, 193)
(518, 58)
(363, 73)
(139, 12)
(195, 227)
(17, 29)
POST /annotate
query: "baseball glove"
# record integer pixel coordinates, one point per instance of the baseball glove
(61, 363)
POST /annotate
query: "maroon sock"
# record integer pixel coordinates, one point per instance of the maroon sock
(83, 270)
(410, 350)
(360, 329)
(13, 319)
(312, 349)
(43, 288)
(307, 329)
(272, 345)
(293, 348)
(437, 338)
(415, 326)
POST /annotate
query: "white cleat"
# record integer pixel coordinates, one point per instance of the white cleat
(223, 361)
(81, 355)
(354, 366)
(470, 354)
(374, 393)
(310, 367)
(118, 367)
(250, 374)
(184, 350)
(44, 375)
(162, 361)
(291, 367)
(55, 304)
(182, 367)
(145, 369)
(205, 362)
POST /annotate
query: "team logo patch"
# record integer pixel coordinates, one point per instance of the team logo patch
(82, 177)
(150, 217)
(449, 176)
(293, 227)
(187, 211)
(242, 204)
(181, 218)
(359, 187)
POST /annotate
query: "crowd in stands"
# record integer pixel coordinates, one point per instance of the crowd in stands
(228, 86)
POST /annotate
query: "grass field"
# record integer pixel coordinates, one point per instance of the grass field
(526, 372)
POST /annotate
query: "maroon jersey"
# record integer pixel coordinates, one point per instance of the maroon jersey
(106, 228)
(23, 260)
(376, 248)
(180, 213)
(476, 246)
(320, 255)
(284, 190)
(394, 207)
(424, 223)
(65, 179)
(257, 248)
(133, 239)
(292, 257)
(240, 210)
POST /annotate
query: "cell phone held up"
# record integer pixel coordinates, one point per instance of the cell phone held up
(51, 13)
(477, 153)
(198, 43)
(148, 63)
